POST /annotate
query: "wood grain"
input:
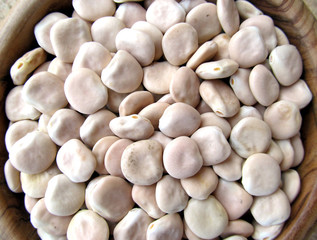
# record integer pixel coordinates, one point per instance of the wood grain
(16, 36)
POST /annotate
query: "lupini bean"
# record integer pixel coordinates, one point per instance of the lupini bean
(270, 232)
(291, 184)
(288, 153)
(60, 68)
(135, 102)
(222, 40)
(217, 69)
(212, 119)
(12, 177)
(91, 11)
(299, 150)
(238, 226)
(154, 112)
(228, 16)
(245, 111)
(130, 13)
(247, 9)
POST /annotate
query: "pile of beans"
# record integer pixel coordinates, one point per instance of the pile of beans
(157, 120)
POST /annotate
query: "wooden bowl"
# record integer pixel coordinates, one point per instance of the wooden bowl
(292, 16)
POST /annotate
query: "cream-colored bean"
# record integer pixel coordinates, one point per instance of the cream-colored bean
(250, 135)
(272, 209)
(264, 87)
(286, 64)
(110, 197)
(25, 65)
(281, 37)
(96, 126)
(133, 127)
(113, 156)
(29, 203)
(64, 197)
(130, 13)
(288, 153)
(64, 125)
(284, 119)
(60, 68)
(179, 119)
(269, 232)
(298, 93)
(124, 1)
(139, 44)
(33, 153)
(206, 218)
(76, 161)
(299, 150)
(191, 236)
(18, 130)
(240, 227)
(291, 184)
(220, 97)
(43, 122)
(100, 149)
(85, 91)
(266, 26)
(165, 14)
(169, 227)
(203, 107)
(66, 45)
(170, 195)
(135, 102)
(12, 177)
(184, 86)
(245, 111)
(47, 236)
(201, 185)
(43, 219)
(42, 30)
(231, 168)
(217, 69)
(275, 152)
(228, 15)
(179, 42)
(43, 67)
(247, 47)
(158, 76)
(190, 4)
(35, 185)
(87, 224)
(222, 40)
(212, 119)
(144, 197)
(235, 237)
(205, 21)
(154, 112)
(138, 171)
(161, 138)
(206, 137)
(92, 10)
(105, 29)
(247, 9)
(204, 53)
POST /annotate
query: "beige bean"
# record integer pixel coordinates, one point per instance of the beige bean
(96, 126)
(240, 227)
(138, 171)
(272, 209)
(298, 93)
(217, 69)
(266, 232)
(286, 64)
(42, 30)
(64, 125)
(133, 127)
(139, 44)
(29, 203)
(105, 29)
(144, 197)
(228, 15)
(205, 21)
(190, 4)
(247, 9)
(12, 177)
(206, 218)
(135, 102)
(206, 137)
(179, 42)
(222, 40)
(231, 168)
(170, 195)
(45, 235)
(288, 153)
(220, 97)
(191, 236)
(247, 47)
(76, 161)
(284, 119)
(43, 122)
(60, 68)
(281, 37)
(87, 224)
(185, 117)
(203, 107)
(275, 152)
(110, 197)
(245, 111)
(85, 91)
(161, 138)
(43, 67)
(201, 185)
(184, 86)
(204, 53)
(158, 76)
(291, 184)
(91, 10)
(169, 227)
(299, 150)
(64, 197)
(25, 65)
(100, 149)
(235, 237)
(264, 87)
(130, 13)
(66, 45)
(154, 112)
(239, 83)
(212, 119)
(165, 14)
(33, 153)
(250, 135)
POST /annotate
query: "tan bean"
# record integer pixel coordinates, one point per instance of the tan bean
(238, 226)
(211, 119)
(135, 102)
(228, 16)
(222, 40)
(154, 112)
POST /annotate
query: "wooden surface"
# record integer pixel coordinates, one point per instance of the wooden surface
(291, 15)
